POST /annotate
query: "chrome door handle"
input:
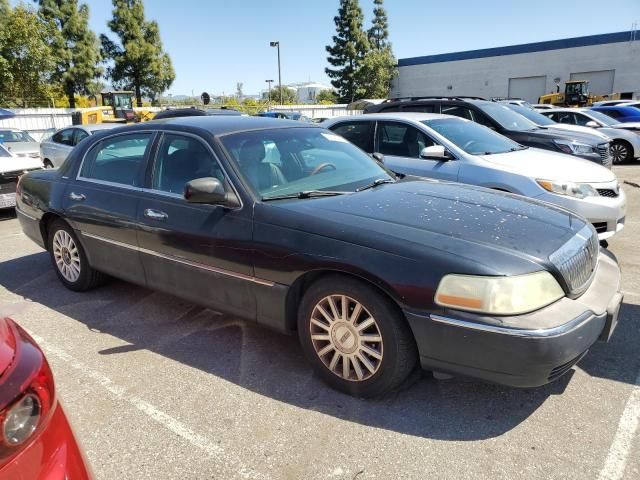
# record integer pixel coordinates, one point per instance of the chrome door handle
(78, 197)
(155, 214)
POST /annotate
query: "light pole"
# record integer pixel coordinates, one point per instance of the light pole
(269, 82)
(277, 44)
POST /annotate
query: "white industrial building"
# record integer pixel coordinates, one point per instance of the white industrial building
(611, 63)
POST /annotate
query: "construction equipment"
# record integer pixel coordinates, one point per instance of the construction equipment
(117, 107)
(576, 94)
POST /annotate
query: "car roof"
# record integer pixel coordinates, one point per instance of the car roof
(623, 108)
(94, 127)
(415, 116)
(218, 124)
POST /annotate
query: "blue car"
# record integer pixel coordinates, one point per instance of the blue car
(620, 113)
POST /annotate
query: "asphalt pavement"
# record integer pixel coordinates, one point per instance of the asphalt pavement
(159, 388)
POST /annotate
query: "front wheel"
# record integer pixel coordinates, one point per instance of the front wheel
(69, 260)
(356, 339)
(621, 152)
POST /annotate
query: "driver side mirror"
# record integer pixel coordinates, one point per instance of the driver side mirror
(209, 190)
(435, 152)
(592, 124)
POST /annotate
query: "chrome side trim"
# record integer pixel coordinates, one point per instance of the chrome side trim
(517, 332)
(183, 261)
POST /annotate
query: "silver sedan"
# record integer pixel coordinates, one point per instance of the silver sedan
(54, 149)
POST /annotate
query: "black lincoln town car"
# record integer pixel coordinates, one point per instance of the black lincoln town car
(291, 226)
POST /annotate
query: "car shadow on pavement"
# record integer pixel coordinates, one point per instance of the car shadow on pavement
(273, 365)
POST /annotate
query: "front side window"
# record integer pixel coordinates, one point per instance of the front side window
(401, 140)
(457, 110)
(80, 135)
(118, 159)
(581, 119)
(472, 137)
(8, 136)
(358, 133)
(181, 159)
(308, 159)
(535, 117)
(65, 137)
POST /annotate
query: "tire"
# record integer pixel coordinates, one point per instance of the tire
(621, 152)
(382, 365)
(69, 259)
(47, 163)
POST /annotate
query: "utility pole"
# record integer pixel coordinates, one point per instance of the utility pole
(269, 82)
(277, 44)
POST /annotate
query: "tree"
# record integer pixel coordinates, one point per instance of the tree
(26, 59)
(377, 73)
(76, 47)
(347, 53)
(139, 62)
(379, 32)
(239, 92)
(289, 95)
(326, 97)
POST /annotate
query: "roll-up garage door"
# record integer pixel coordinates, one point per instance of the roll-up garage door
(600, 82)
(527, 88)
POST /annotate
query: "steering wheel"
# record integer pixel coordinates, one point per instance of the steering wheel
(468, 144)
(322, 166)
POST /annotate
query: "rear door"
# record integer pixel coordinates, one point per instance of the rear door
(101, 203)
(198, 252)
(401, 144)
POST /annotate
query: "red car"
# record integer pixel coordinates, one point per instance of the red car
(36, 440)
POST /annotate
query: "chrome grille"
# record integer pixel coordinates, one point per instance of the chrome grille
(603, 151)
(577, 259)
(607, 192)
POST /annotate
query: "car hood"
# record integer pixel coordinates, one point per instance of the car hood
(588, 137)
(23, 147)
(544, 164)
(12, 164)
(580, 129)
(420, 216)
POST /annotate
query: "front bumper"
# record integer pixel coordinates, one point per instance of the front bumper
(607, 214)
(525, 350)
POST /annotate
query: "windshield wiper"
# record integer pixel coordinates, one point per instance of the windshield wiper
(375, 183)
(304, 194)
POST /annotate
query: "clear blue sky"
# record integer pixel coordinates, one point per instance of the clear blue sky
(214, 44)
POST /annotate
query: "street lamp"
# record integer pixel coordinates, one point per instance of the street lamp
(277, 44)
(269, 82)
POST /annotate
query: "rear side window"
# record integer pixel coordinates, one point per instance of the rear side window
(65, 137)
(117, 160)
(358, 133)
(80, 135)
(457, 110)
(418, 108)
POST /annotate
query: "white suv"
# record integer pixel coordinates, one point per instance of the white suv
(455, 149)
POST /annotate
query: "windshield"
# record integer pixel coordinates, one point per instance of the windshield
(472, 137)
(532, 115)
(601, 117)
(292, 160)
(8, 136)
(4, 152)
(508, 119)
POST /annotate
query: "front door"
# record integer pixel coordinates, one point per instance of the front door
(199, 252)
(101, 203)
(401, 144)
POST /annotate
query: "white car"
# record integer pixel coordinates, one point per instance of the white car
(11, 167)
(455, 149)
(625, 137)
(54, 150)
(19, 142)
(543, 106)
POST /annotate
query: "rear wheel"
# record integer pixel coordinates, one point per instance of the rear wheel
(356, 339)
(621, 152)
(69, 260)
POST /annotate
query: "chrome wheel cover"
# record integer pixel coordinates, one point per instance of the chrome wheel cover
(346, 338)
(619, 153)
(66, 256)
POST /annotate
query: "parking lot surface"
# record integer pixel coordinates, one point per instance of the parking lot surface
(159, 388)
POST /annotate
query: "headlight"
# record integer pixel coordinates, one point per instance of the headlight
(573, 148)
(571, 189)
(498, 295)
